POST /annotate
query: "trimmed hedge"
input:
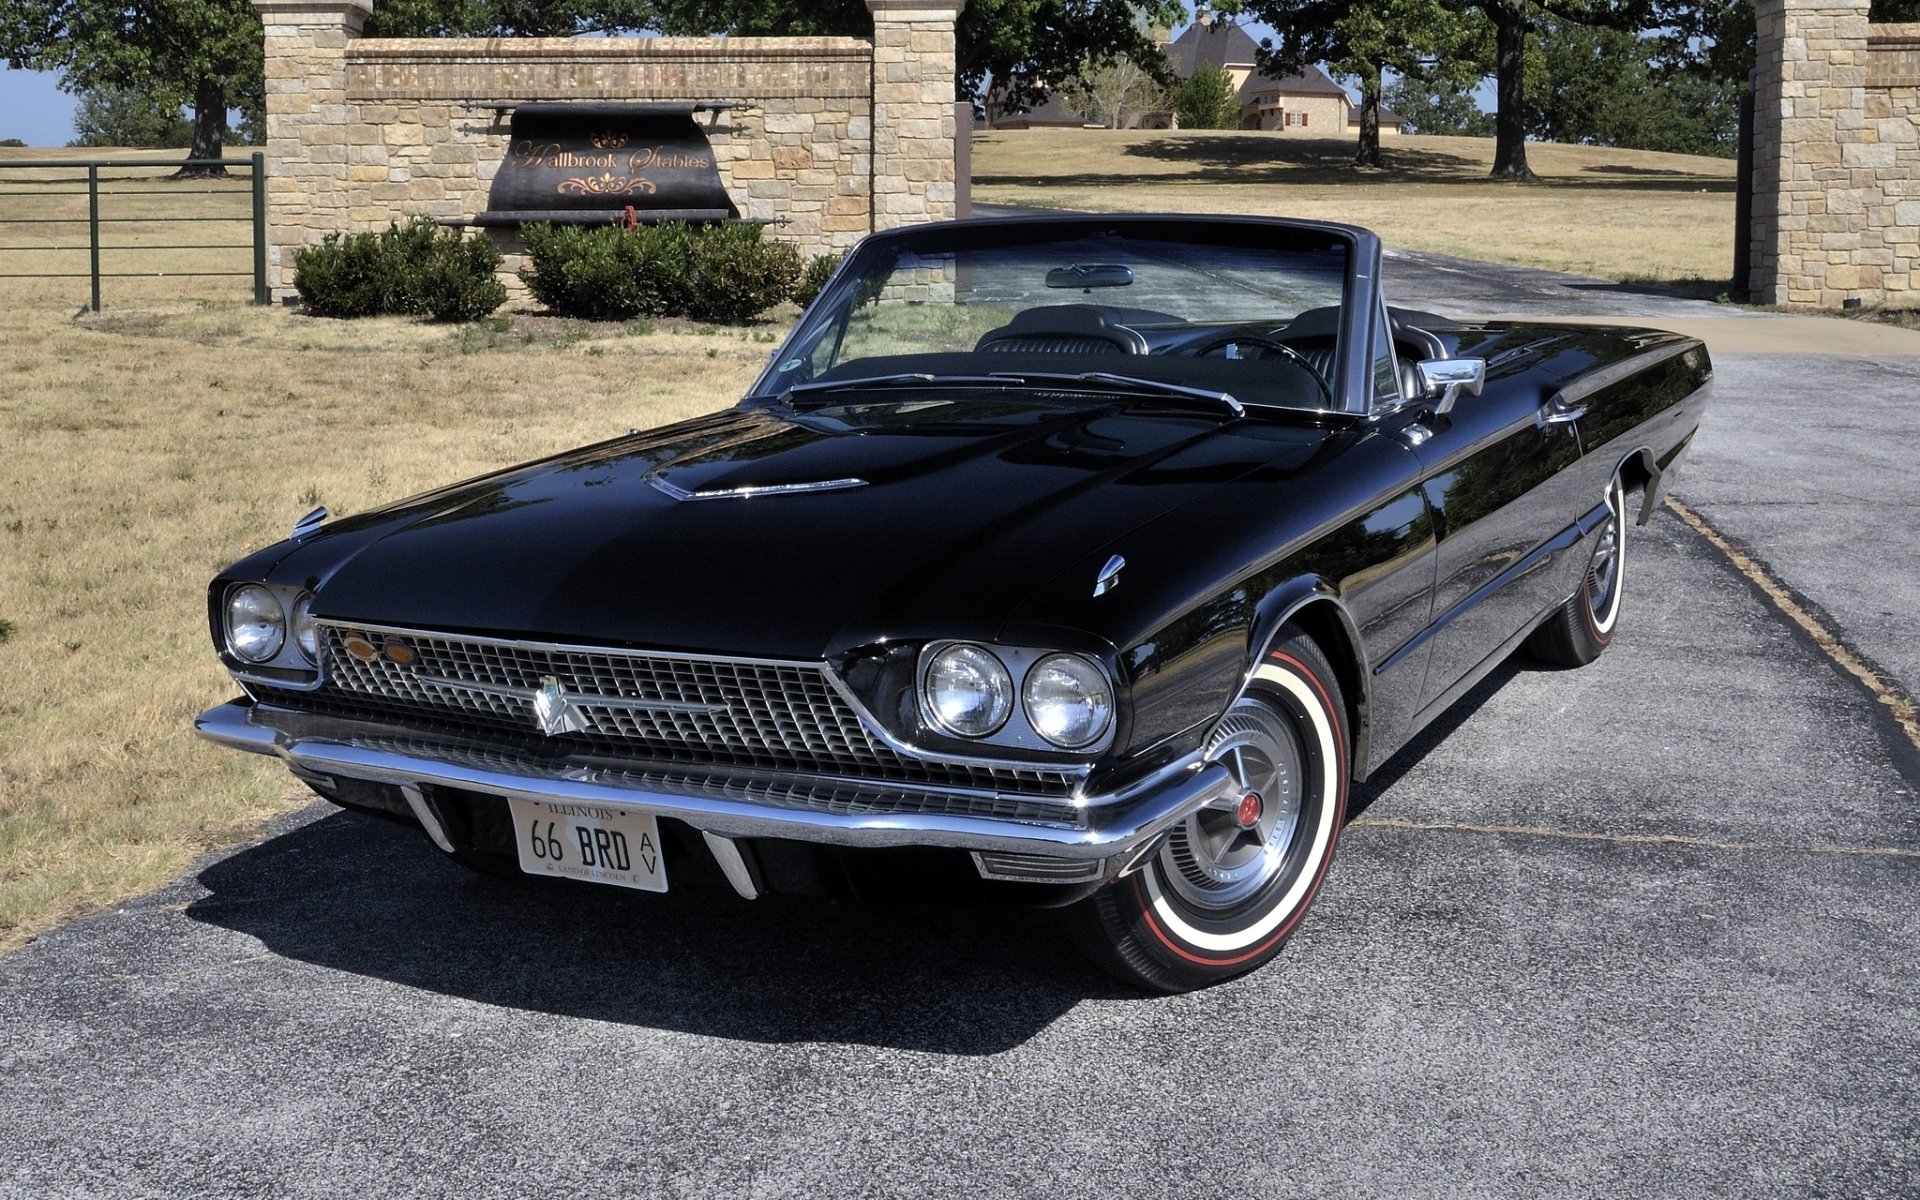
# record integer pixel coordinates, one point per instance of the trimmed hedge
(409, 269)
(723, 274)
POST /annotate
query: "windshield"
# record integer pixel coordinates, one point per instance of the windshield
(1250, 310)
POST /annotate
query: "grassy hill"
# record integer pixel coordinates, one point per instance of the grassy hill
(1618, 214)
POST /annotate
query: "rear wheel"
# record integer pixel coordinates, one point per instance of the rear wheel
(1582, 627)
(1229, 884)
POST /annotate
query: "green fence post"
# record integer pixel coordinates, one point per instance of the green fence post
(93, 227)
(260, 295)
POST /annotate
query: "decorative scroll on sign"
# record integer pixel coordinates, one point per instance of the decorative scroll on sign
(590, 163)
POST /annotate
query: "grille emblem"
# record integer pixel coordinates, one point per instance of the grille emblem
(555, 711)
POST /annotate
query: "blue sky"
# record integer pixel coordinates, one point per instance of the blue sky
(33, 109)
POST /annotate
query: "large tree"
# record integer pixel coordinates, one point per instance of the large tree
(1596, 86)
(1364, 39)
(1438, 106)
(207, 51)
(111, 116)
(1025, 46)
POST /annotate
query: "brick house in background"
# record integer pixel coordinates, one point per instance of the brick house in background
(1308, 103)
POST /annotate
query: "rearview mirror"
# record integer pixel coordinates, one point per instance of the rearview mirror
(1092, 275)
(1443, 379)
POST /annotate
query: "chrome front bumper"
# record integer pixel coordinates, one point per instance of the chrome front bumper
(1114, 827)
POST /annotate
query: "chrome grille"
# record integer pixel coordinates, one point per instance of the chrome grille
(765, 715)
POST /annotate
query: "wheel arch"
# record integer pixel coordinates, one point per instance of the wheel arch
(1311, 605)
(1639, 469)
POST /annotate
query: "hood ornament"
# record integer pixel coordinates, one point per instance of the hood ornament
(1109, 577)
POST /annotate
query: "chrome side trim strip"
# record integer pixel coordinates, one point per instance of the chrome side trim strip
(1114, 824)
(1563, 541)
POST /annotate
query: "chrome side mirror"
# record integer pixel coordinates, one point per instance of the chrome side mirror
(1443, 379)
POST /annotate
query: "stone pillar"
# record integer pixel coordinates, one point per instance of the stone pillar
(307, 155)
(913, 111)
(1812, 153)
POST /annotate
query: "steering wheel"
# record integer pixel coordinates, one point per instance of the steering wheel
(1267, 343)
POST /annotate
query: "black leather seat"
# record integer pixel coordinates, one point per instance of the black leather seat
(1063, 329)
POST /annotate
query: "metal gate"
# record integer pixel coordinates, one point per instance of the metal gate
(112, 211)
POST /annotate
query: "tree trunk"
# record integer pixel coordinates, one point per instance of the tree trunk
(1510, 66)
(209, 130)
(1368, 154)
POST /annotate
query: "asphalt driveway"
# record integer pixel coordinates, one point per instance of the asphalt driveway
(1648, 928)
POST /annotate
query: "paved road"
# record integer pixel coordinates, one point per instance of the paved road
(1542, 966)
(1647, 928)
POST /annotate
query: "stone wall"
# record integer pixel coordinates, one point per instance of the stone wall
(1836, 188)
(831, 137)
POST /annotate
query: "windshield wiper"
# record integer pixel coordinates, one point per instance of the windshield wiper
(800, 391)
(1155, 387)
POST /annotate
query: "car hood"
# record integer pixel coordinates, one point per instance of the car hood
(782, 533)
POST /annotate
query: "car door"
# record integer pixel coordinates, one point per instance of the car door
(1497, 482)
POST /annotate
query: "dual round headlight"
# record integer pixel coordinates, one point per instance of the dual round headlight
(970, 693)
(257, 624)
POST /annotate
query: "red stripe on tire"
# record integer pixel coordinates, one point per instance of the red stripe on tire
(1340, 754)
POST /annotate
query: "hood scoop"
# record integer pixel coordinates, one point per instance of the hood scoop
(723, 469)
(745, 490)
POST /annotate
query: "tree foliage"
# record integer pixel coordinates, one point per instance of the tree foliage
(113, 116)
(504, 18)
(1021, 44)
(1596, 86)
(1437, 106)
(1114, 93)
(1363, 39)
(1206, 99)
(206, 52)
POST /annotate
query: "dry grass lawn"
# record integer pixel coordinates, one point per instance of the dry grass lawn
(143, 448)
(1616, 214)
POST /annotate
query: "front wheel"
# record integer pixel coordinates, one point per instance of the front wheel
(1230, 882)
(1582, 627)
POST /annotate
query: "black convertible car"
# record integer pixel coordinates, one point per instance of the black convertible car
(1078, 561)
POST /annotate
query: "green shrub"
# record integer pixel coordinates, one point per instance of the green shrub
(814, 277)
(12, 143)
(6, 629)
(458, 280)
(346, 275)
(737, 275)
(602, 273)
(725, 274)
(413, 268)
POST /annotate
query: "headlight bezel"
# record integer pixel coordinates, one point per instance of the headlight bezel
(982, 659)
(303, 632)
(1101, 688)
(1018, 732)
(270, 612)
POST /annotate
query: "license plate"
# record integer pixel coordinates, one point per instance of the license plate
(601, 843)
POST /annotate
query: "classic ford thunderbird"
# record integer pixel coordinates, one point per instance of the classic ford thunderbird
(1081, 561)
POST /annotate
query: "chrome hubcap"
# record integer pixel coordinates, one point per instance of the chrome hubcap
(1226, 852)
(1601, 576)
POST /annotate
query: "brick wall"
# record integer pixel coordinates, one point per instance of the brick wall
(1836, 202)
(834, 136)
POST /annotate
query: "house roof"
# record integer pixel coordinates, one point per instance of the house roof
(1387, 116)
(1225, 44)
(1211, 44)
